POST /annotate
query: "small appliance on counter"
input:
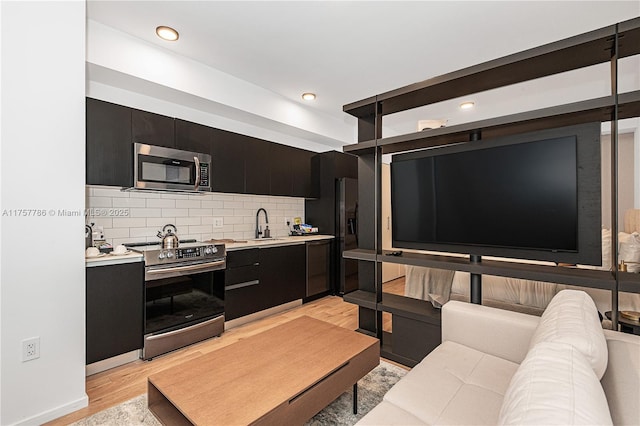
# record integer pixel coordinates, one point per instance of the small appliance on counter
(303, 229)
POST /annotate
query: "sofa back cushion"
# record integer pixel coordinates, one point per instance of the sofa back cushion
(572, 318)
(554, 385)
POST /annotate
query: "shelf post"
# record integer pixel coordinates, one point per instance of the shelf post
(476, 282)
(614, 179)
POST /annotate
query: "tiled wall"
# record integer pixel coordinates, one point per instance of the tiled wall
(136, 216)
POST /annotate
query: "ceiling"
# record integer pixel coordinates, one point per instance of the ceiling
(347, 51)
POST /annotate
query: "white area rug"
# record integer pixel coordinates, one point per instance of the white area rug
(371, 389)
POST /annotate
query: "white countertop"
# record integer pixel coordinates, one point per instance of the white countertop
(274, 242)
(133, 256)
(113, 259)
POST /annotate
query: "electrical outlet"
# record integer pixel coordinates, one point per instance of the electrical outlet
(218, 222)
(30, 349)
(287, 221)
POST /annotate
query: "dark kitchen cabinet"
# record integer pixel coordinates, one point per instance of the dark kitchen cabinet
(283, 273)
(114, 310)
(152, 129)
(257, 170)
(261, 278)
(227, 158)
(240, 164)
(243, 293)
(318, 267)
(280, 169)
(300, 162)
(109, 153)
(290, 171)
(193, 137)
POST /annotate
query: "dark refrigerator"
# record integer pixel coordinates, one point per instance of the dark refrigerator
(346, 233)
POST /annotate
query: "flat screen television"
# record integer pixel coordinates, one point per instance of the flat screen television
(529, 196)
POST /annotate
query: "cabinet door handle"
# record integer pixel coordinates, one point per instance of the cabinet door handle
(242, 285)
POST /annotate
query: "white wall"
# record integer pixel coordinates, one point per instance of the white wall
(42, 277)
(128, 216)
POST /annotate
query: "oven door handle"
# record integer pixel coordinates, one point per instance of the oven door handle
(200, 267)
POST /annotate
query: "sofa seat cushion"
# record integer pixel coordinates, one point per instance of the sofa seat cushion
(454, 384)
(572, 318)
(386, 413)
(555, 385)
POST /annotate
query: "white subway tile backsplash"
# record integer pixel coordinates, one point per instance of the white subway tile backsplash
(161, 202)
(128, 202)
(199, 229)
(117, 233)
(180, 221)
(143, 232)
(192, 214)
(144, 194)
(200, 212)
(175, 212)
(127, 222)
(102, 202)
(212, 204)
(188, 204)
(159, 222)
(233, 205)
(144, 212)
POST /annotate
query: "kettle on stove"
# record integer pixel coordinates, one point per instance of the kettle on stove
(169, 239)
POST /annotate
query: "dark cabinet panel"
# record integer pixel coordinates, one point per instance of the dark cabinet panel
(240, 164)
(257, 168)
(114, 310)
(109, 153)
(300, 163)
(193, 137)
(280, 164)
(318, 267)
(228, 162)
(283, 273)
(152, 129)
(243, 294)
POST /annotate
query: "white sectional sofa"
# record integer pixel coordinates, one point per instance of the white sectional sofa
(502, 367)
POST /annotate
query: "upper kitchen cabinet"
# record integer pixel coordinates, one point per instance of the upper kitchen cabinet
(152, 129)
(280, 163)
(300, 164)
(227, 158)
(193, 137)
(109, 154)
(257, 168)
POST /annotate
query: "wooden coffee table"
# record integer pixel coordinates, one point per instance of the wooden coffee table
(284, 375)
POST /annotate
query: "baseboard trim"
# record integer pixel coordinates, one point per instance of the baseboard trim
(112, 362)
(56, 413)
(259, 315)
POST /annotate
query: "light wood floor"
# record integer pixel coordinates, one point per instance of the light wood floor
(120, 384)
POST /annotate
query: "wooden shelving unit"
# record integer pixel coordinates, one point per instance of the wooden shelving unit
(605, 45)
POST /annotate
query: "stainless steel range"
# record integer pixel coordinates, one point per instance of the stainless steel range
(184, 303)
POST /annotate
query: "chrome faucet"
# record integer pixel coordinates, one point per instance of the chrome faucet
(266, 218)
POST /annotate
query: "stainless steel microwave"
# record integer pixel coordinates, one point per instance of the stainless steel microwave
(160, 168)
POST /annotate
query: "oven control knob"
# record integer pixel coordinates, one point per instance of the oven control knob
(169, 254)
(161, 255)
(210, 250)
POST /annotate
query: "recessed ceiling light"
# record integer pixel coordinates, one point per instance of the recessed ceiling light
(467, 105)
(308, 96)
(167, 33)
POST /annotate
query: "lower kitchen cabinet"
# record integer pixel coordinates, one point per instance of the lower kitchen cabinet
(283, 273)
(243, 290)
(261, 278)
(114, 310)
(318, 267)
